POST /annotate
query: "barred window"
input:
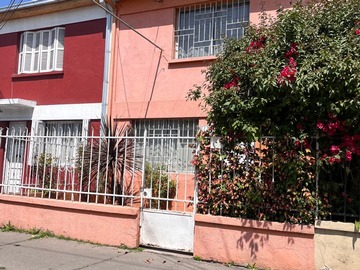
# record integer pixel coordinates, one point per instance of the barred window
(200, 28)
(169, 142)
(60, 140)
(42, 51)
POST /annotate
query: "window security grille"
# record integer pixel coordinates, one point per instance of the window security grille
(42, 51)
(169, 143)
(200, 28)
(60, 140)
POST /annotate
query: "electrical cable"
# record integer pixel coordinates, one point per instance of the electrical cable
(128, 25)
(11, 8)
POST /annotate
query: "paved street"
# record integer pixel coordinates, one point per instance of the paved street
(21, 251)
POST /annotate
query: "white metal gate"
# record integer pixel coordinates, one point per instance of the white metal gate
(168, 193)
(14, 157)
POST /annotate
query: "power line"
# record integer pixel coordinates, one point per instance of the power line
(9, 12)
(128, 25)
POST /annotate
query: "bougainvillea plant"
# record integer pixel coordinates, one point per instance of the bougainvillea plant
(296, 79)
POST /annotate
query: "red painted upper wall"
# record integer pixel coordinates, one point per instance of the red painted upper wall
(83, 68)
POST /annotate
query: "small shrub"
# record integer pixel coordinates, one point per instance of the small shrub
(162, 186)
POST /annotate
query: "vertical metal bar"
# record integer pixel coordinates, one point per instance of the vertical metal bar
(260, 156)
(317, 179)
(54, 147)
(90, 166)
(6, 165)
(109, 141)
(133, 167)
(115, 173)
(143, 172)
(84, 144)
(98, 168)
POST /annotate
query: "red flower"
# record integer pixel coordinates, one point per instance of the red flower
(348, 155)
(292, 62)
(292, 51)
(334, 149)
(306, 144)
(333, 160)
(357, 32)
(255, 45)
(320, 125)
(232, 83)
(288, 73)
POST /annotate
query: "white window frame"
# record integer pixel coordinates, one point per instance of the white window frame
(41, 51)
(200, 28)
(60, 140)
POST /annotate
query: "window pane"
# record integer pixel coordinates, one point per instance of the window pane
(44, 60)
(201, 28)
(46, 40)
(29, 42)
(27, 66)
(62, 139)
(41, 51)
(61, 36)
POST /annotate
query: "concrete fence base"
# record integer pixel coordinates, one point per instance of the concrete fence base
(337, 245)
(111, 225)
(266, 244)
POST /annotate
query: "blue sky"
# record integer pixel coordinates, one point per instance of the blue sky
(5, 3)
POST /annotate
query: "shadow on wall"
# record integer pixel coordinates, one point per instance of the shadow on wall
(255, 235)
(252, 240)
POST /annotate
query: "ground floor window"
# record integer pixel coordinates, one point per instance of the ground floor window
(59, 140)
(169, 142)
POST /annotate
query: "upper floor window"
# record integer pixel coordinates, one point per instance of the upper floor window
(200, 28)
(42, 51)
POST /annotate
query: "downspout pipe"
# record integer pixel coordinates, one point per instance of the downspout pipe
(107, 57)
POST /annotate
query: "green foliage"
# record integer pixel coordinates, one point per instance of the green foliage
(295, 78)
(321, 39)
(46, 171)
(272, 181)
(159, 181)
(8, 227)
(357, 225)
(197, 258)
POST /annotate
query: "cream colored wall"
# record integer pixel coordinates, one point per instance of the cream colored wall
(148, 82)
(337, 246)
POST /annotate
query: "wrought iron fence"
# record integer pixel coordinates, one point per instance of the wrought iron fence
(155, 172)
(269, 180)
(102, 169)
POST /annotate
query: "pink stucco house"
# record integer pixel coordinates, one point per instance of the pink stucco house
(162, 57)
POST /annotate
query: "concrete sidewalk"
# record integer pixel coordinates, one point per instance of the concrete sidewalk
(21, 251)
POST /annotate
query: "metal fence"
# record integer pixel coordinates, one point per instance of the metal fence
(152, 172)
(257, 180)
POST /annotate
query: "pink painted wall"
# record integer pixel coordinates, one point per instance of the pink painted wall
(148, 83)
(267, 244)
(111, 225)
